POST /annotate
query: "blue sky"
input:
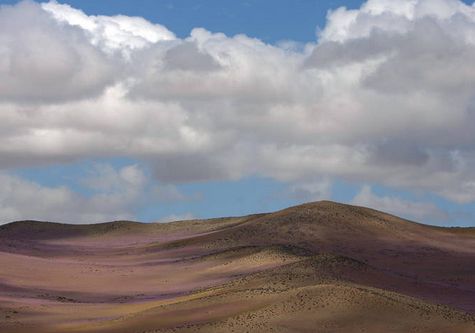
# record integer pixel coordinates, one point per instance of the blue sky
(267, 20)
(304, 161)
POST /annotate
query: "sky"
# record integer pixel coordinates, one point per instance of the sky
(169, 110)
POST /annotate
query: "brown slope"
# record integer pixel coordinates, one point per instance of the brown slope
(41, 230)
(136, 278)
(295, 297)
(430, 257)
(48, 239)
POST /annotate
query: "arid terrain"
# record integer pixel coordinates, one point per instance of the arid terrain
(318, 267)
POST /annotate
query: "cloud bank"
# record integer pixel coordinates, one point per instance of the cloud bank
(115, 195)
(384, 95)
(105, 194)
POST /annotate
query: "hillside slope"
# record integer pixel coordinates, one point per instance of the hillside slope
(318, 267)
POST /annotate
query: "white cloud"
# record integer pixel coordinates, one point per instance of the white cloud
(41, 61)
(111, 33)
(384, 96)
(21, 199)
(104, 178)
(312, 190)
(420, 211)
(115, 194)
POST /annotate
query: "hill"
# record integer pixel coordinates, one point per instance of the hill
(317, 267)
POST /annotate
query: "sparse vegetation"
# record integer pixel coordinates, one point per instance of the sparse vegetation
(323, 265)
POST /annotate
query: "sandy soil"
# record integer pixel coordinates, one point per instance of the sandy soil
(319, 267)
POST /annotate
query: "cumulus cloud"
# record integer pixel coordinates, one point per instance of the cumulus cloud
(421, 211)
(110, 194)
(384, 95)
(21, 199)
(110, 33)
(42, 61)
(312, 190)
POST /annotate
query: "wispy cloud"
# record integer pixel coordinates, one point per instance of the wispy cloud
(417, 210)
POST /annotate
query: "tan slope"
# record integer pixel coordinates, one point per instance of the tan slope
(309, 295)
(326, 265)
(431, 257)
